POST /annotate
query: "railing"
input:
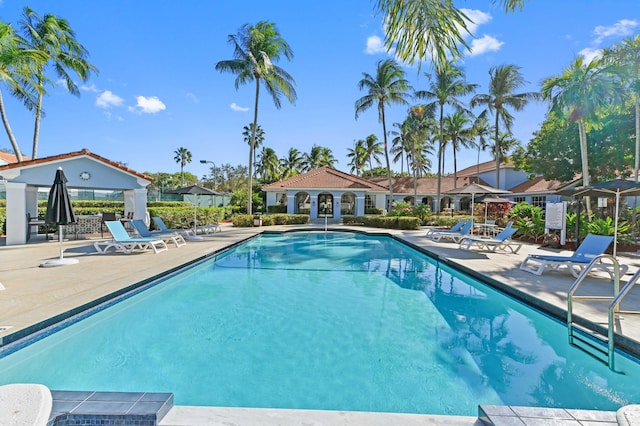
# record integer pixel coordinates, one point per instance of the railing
(579, 339)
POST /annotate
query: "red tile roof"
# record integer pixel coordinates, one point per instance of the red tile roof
(83, 152)
(426, 185)
(487, 166)
(325, 178)
(10, 158)
(538, 184)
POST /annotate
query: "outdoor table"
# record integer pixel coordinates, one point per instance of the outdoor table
(486, 228)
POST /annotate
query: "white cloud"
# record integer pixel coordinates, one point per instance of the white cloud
(234, 106)
(150, 105)
(476, 18)
(622, 28)
(484, 45)
(107, 100)
(90, 88)
(589, 54)
(375, 45)
(192, 96)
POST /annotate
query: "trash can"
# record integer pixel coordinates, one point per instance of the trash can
(257, 219)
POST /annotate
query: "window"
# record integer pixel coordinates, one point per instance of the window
(540, 201)
(519, 199)
(369, 201)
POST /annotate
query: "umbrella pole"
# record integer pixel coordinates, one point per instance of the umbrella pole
(615, 226)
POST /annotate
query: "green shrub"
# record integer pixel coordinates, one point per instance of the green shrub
(182, 217)
(243, 220)
(389, 222)
(267, 220)
(246, 220)
(276, 209)
(373, 210)
(280, 219)
(3, 220)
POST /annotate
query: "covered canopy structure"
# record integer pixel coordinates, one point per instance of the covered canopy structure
(83, 169)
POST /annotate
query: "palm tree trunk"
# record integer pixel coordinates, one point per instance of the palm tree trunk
(455, 166)
(496, 150)
(439, 185)
(251, 148)
(585, 161)
(386, 156)
(36, 127)
(7, 127)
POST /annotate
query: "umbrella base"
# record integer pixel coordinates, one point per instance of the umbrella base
(58, 262)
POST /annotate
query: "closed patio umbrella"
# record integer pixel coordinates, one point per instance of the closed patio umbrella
(59, 212)
(197, 191)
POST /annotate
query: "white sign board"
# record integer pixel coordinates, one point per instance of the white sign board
(556, 218)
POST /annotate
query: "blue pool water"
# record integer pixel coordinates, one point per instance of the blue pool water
(326, 321)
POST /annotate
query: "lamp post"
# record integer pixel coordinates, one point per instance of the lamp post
(212, 168)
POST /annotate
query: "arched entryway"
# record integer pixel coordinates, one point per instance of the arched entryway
(348, 204)
(428, 201)
(325, 205)
(410, 199)
(303, 203)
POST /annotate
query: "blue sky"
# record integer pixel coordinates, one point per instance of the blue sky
(157, 89)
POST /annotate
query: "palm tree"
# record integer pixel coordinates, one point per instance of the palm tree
(399, 144)
(18, 75)
(182, 156)
(419, 29)
(458, 130)
(504, 80)
(581, 93)
(54, 38)
(319, 156)
(626, 58)
(268, 164)
(374, 149)
(445, 88)
(419, 126)
(358, 155)
(387, 87)
(482, 130)
(256, 50)
(292, 164)
(258, 138)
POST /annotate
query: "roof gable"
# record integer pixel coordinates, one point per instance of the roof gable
(324, 178)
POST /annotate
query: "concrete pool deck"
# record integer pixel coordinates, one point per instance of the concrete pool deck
(32, 294)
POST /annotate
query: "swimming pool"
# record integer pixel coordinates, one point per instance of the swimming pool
(326, 321)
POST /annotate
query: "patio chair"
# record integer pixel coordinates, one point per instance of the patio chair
(501, 241)
(163, 228)
(106, 217)
(453, 236)
(167, 237)
(592, 247)
(122, 241)
(37, 222)
(455, 228)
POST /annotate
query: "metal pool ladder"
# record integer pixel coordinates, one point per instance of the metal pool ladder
(590, 339)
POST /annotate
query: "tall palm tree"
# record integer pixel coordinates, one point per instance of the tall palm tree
(18, 75)
(446, 87)
(374, 149)
(256, 49)
(419, 126)
(291, 164)
(626, 58)
(387, 87)
(358, 155)
(54, 38)
(183, 157)
(504, 81)
(319, 156)
(580, 93)
(419, 29)
(268, 164)
(458, 130)
(400, 148)
(258, 138)
(482, 130)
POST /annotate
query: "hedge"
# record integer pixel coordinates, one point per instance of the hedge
(246, 220)
(389, 222)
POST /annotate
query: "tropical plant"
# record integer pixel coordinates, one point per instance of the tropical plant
(268, 165)
(17, 73)
(504, 81)
(54, 38)
(387, 87)
(358, 155)
(319, 156)
(459, 131)
(258, 137)
(482, 130)
(256, 50)
(420, 29)
(291, 164)
(528, 219)
(446, 87)
(183, 157)
(399, 144)
(374, 149)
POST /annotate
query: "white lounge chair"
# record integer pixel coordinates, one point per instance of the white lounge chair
(592, 247)
(122, 241)
(501, 241)
(453, 236)
(455, 228)
(167, 237)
